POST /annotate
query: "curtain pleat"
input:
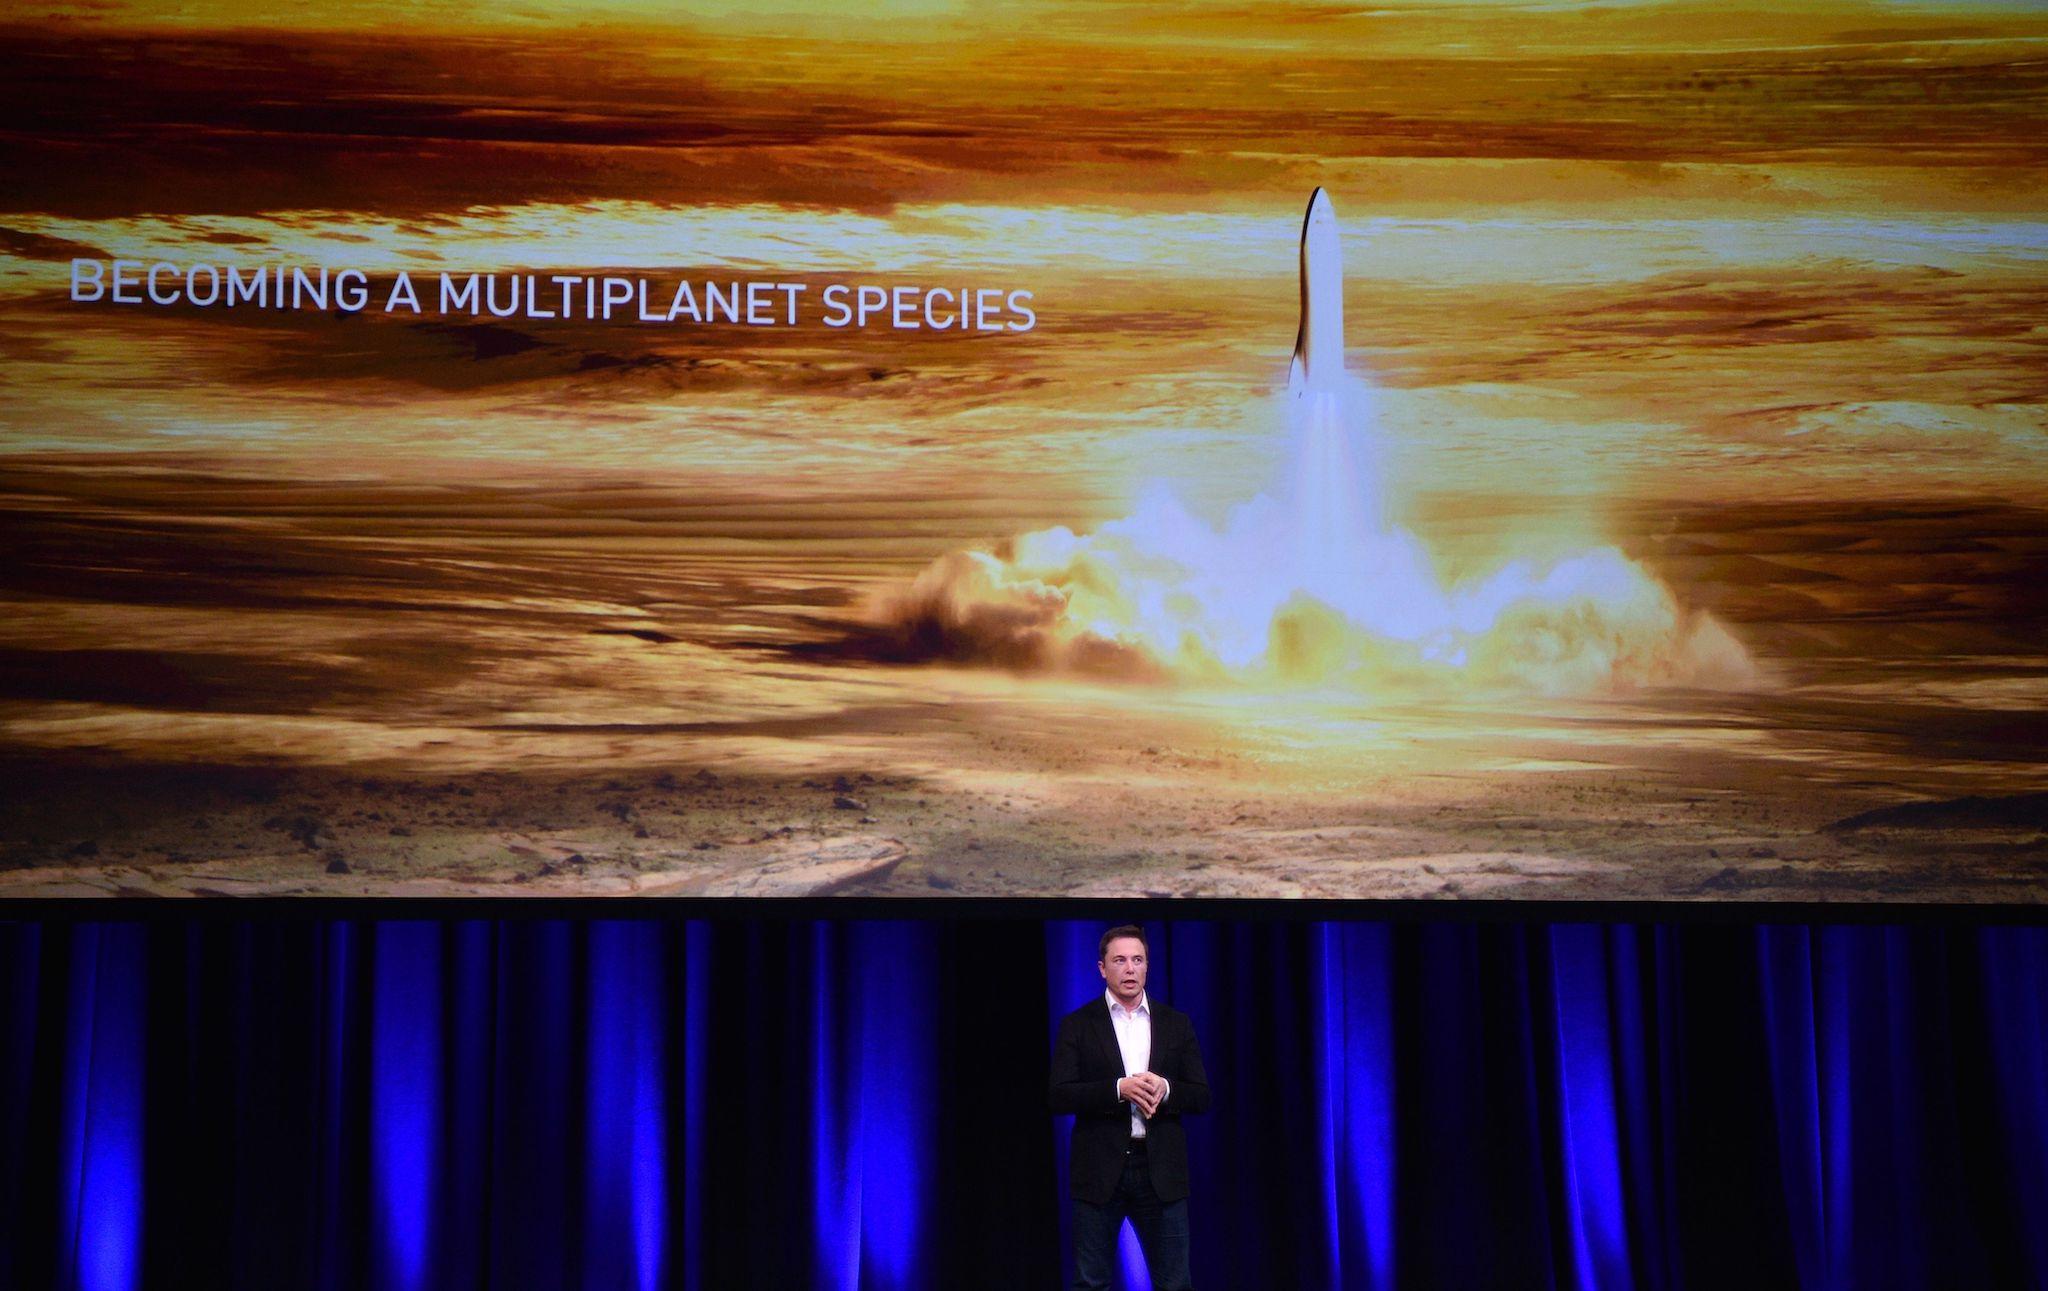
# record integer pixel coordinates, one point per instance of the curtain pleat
(860, 1105)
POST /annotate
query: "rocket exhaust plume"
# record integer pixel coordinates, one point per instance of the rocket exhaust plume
(1309, 585)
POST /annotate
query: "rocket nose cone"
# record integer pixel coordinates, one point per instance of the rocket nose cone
(1319, 208)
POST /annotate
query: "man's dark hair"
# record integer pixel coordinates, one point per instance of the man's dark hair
(1123, 930)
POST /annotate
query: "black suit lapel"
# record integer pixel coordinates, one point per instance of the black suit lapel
(1162, 1036)
(1105, 1038)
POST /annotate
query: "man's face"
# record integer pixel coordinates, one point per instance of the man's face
(1123, 967)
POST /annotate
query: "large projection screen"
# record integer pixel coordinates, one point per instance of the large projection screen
(1245, 449)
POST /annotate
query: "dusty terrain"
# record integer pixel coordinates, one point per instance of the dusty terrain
(1594, 834)
(218, 683)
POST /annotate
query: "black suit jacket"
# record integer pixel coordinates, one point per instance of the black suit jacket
(1086, 1064)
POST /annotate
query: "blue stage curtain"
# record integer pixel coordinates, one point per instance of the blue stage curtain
(859, 1105)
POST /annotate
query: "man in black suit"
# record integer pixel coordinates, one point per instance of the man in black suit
(1128, 1068)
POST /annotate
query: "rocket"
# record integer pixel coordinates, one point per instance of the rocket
(1319, 345)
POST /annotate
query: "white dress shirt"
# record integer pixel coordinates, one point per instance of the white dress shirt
(1134, 1041)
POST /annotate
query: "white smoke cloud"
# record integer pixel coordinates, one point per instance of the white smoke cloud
(1306, 586)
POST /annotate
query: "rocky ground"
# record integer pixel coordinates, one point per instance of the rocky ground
(1584, 835)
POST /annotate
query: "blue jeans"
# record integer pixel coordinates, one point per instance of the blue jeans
(1162, 1229)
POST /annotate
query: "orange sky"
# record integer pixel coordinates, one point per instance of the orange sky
(1459, 27)
(1591, 245)
(393, 108)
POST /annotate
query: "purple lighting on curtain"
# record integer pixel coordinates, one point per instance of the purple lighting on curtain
(1785, 956)
(100, 1156)
(856, 1105)
(872, 987)
(835, 1175)
(405, 1104)
(1355, 1065)
(893, 987)
(625, 1123)
(1640, 1038)
(1585, 1079)
(1831, 1030)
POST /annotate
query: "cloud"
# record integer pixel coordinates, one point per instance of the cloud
(1160, 596)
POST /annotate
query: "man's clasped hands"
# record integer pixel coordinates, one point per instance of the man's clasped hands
(1145, 1089)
